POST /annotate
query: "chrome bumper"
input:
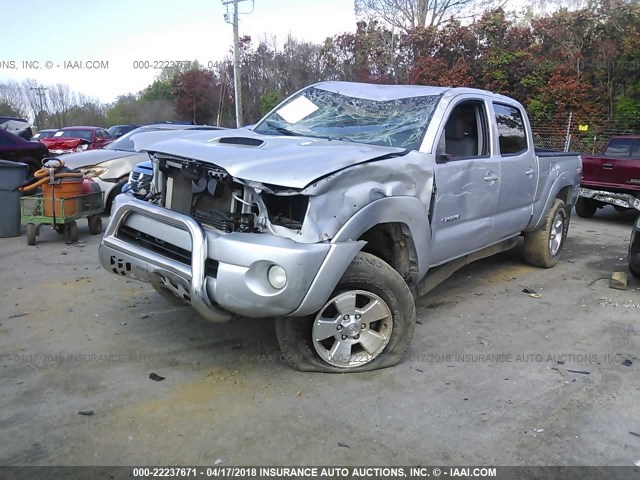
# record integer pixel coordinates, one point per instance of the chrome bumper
(624, 200)
(238, 283)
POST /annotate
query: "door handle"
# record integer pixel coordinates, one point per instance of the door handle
(607, 166)
(530, 172)
(491, 177)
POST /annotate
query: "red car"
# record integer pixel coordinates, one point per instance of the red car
(77, 139)
(14, 148)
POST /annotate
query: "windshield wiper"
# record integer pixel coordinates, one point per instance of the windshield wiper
(286, 131)
(283, 130)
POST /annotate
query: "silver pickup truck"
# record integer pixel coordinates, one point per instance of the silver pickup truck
(338, 209)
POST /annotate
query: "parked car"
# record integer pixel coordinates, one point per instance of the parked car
(612, 178)
(77, 139)
(342, 205)
(110, 167)
(18, 126)
(634, 249)
(140, 180)
(14, 148)
(117, 131)
(42, 134)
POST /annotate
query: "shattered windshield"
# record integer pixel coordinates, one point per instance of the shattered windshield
(323, 114)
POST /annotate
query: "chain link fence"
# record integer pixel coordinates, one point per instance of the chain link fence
(579, 135)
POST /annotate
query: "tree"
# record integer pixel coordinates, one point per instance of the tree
(125, 110)
(87, 112)
(13, 101)
(60, 101)
(158, 90)
(268, 101)
(408, 15)
(37, 100)
(196, 93)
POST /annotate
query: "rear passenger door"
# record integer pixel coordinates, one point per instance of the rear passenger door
(518, 171)
(467, 180)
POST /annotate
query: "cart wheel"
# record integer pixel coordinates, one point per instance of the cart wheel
(31, 234)
(60, 228)
(72, 231)
(95, 224)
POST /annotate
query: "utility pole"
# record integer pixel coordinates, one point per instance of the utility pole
(237, 86)
(40, 92)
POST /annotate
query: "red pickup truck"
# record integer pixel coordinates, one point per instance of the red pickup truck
(611, 178)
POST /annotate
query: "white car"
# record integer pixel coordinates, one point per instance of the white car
(110, 167)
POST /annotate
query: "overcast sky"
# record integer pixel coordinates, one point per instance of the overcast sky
(123, 31)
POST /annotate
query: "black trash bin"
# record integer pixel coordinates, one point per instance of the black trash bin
(12, 174)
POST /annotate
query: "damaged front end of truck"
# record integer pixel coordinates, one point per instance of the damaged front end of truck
(265, 222)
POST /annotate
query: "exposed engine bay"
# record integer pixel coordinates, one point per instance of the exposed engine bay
(214, 198)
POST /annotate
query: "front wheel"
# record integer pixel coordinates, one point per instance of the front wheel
(542, 247)
(366, 324)
(32, 233)
(586, 207)
(634, 250)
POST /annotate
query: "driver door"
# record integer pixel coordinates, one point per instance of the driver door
(467, 182)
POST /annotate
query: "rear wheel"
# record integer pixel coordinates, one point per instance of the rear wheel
(366, 324)
(586, 208)
(95, 224)
(542, 247)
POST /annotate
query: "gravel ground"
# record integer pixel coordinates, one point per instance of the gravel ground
(481, 383)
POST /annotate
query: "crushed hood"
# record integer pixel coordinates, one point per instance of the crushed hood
(93, 157)
(292, 162)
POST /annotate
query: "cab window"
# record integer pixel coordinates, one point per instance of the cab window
(511, 132)
(465, 134)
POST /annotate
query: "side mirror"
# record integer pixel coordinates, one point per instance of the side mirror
(442, 157)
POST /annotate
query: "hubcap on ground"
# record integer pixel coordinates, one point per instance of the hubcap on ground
(352, 329)
(557, 230)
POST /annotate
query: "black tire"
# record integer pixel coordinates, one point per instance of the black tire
(116, 190)
(542, 247)
(95, 224)
(367, 278)
(72, 231)
(586, 208)
(634, 251)
(31, 234)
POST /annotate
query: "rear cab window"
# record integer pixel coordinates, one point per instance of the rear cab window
(623, 148)
(512, 133)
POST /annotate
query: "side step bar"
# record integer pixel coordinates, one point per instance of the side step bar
(437, 275)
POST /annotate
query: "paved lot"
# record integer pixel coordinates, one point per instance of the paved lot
(477, 386)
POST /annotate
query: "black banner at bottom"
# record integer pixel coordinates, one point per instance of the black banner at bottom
(326, 473)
